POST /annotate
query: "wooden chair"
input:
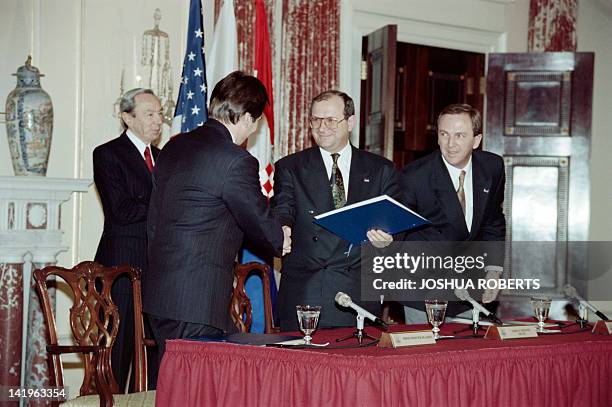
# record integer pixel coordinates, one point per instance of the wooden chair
(241, 309)
(94, 321)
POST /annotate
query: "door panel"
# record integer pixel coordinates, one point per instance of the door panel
(539, 118)
(378, 91)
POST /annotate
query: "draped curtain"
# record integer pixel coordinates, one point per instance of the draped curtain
(310, 53)
(552, 25)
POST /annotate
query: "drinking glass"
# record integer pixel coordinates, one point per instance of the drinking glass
(541, 308)
(308, 318)
(436, 310)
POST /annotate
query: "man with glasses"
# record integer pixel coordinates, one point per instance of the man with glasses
(315, 181)
(122, 173)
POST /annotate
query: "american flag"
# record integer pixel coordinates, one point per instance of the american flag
(191, 110)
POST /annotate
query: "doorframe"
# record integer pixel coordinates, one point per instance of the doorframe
(355, 23)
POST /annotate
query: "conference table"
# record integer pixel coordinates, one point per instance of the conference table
(572, 368)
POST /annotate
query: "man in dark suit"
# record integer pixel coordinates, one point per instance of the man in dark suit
(122, 173)
(315, 181)
(459, 189)
(206, 197)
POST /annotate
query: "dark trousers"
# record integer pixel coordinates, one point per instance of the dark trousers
(122, 355)
(164, 329)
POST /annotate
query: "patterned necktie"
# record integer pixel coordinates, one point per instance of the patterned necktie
(337, 184)
(148, 159)
(461, 192)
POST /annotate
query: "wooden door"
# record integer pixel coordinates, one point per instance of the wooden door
(539, 119)
(377, 91)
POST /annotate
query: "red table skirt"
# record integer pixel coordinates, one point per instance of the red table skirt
(222, 374)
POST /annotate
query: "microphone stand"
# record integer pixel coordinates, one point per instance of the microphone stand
(475, 324)
(582, 320)
(359, 334)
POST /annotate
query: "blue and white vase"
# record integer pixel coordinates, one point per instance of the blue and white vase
(29, 122)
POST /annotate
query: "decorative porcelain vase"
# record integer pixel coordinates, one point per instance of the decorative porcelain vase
(29, 122)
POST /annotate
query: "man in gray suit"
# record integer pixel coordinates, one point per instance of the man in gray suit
(206, 197)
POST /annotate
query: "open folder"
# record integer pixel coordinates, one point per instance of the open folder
(352, 222)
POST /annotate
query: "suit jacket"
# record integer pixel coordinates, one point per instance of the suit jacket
(426, 187)
(124, 184)
(206, 197)
(318, 266)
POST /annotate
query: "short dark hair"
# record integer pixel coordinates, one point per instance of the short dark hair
(349, 105)
(128, 102)
(464, 108)
(237, 94)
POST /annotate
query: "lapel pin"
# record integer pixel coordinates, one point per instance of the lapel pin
(486, 191)
(366, 180)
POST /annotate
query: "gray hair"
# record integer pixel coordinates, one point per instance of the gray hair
(127, 103)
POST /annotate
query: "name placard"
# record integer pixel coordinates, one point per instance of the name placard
(407, 338)
(603, 328)
(512, 332)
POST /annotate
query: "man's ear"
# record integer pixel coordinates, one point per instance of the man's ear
(127, 118)
(247, 119)
(351, 122)
(477, 141)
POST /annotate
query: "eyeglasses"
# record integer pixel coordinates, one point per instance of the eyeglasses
(330, 122)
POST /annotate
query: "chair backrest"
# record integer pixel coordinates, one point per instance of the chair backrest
(94, 318)
(241, 309)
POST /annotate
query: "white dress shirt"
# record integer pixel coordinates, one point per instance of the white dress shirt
(344, 165)
(467, 188)
(140, 145)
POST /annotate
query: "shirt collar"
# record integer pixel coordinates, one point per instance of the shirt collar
(345, 153)
(454, 171)
(140, 145)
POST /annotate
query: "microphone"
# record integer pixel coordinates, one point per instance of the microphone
(345, 301)
(571, 292)
(463, 295)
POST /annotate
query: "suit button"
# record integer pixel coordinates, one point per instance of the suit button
(315, 238)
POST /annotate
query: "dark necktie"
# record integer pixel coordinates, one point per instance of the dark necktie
(148, 159)
(461, 192)
(337, 183)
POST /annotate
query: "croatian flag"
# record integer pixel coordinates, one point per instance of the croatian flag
(191, 110)
(260, 143)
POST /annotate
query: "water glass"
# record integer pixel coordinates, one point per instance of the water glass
(308, 318)
(436, 310)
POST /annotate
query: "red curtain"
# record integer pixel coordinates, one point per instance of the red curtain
(310, 53)
(552, 25)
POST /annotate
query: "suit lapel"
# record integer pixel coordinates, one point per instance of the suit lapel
(447, 196)
(317, 182)
(481, 187)
(132, 158)
(358, 175)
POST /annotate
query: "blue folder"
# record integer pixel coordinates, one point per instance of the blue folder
(352, 222)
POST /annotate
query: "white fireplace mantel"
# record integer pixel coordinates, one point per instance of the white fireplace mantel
(30, 216)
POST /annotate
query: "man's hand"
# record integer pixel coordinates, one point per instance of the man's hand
(490, 294)
(379, 239)
(286, 240)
